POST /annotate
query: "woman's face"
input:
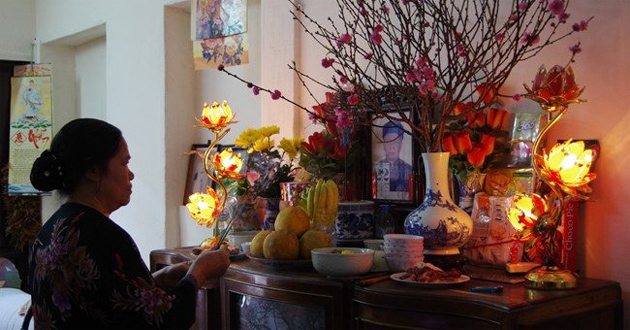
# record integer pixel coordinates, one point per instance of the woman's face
(115, 184)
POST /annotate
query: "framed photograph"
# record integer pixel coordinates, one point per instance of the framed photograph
(196, 180)
(392, 159)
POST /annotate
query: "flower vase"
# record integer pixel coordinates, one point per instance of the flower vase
(470, 183)
(444, 226)
(272, 208)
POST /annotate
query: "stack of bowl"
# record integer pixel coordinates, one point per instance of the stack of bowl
(403, 251)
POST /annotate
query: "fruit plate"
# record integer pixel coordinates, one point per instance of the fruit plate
(282, 264)
(429, 285)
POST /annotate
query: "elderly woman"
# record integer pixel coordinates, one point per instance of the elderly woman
(85, 270)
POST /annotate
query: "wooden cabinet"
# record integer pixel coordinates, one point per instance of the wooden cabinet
(253, 295)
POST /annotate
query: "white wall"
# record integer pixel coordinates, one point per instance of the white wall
(17, 19)
(90, 78)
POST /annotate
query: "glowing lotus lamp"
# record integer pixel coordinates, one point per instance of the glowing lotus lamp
(206, 208)
(565, 169)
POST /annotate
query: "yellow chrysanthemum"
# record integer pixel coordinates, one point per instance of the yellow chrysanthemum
(247, 138)
(267, 131)
(290, 146)
(263, 145)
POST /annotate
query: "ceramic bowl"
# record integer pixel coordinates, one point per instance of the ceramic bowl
(403, 239)
(239, 237)
(331, 262)
(401, 264)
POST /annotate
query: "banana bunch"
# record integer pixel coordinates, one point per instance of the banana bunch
(321, 204)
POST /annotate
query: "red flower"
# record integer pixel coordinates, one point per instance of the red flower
(276, 95)
(476, 119)
(448, 144)
(460, 108)
(463, 142)
(487, 143)
(327, 62)
(476, 156)
(353, 99)
(495, 118)
(486, 92)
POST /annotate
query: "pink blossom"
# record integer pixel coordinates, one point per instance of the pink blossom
(556, 7)
(353, 99)
(375, 36)
(364, 12)
(500, 37)
(343, 79)
(516, 97)
(410, 77)
(344, 39)
(256, 90)
(513, 17)
(529, 39)
(405, 2)
(221, 67)
(427, 72)
(575, 48)
(368, 56)
(385, 9)
(461, 52)
(421, 61)
(582, 26)
(327, 62)
(276, 94)
(562, 18)
(343, 118)
(523, 6)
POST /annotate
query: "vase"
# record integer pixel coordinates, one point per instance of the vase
(355, 220)
(272, 207)
(444, 225)
(469, 183)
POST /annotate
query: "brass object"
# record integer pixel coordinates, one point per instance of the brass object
(550, 278)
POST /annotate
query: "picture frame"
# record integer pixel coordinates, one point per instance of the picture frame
(393, 155)
(196, 179)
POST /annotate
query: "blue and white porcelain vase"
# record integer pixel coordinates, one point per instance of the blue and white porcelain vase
(444, 225)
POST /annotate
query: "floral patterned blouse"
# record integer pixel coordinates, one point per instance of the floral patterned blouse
(86, 273)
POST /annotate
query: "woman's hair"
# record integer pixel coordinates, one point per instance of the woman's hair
(80, 145)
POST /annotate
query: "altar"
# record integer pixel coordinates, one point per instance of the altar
(252, 294)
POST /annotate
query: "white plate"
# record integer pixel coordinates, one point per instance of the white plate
(429, 285)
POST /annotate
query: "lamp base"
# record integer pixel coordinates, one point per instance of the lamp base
(550, 278)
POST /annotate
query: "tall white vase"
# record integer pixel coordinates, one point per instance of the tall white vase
(444, 225)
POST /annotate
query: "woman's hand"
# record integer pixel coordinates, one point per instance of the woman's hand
(210, 264)
(168, 277)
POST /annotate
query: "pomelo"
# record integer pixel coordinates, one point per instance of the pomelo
(294, 219)
(256, 247)
(312, 239)
(281, 244)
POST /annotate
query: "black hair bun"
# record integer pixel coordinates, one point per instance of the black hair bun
(47, 172)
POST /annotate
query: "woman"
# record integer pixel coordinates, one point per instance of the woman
(85, 270)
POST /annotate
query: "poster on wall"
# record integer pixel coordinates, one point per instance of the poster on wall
(30, 129)
(228, 51)
(218, 18)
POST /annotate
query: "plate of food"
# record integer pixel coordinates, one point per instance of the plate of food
(430, 277)
(282, 264)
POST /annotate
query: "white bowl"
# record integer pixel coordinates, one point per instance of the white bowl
(403, 239)
(401, 264)
(239, 237)
(329, 262)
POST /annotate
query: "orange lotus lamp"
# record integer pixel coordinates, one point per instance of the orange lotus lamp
(206, 208)
(565, 169)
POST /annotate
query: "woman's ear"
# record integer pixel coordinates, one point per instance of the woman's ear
(94, 174)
